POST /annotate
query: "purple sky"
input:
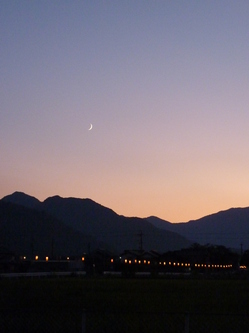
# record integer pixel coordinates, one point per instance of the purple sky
(165, 85)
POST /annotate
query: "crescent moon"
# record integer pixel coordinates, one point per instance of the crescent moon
(91, 126)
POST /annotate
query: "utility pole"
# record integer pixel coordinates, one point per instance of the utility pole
(241, 249)
(140, 235)
(52, 247)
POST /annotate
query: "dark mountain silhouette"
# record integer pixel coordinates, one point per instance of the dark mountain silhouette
(23, 199)
(107, 226)
(229, 228)
(159, 223)
(103, 224)
(26, 231)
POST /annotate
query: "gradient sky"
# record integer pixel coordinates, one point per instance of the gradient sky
(165, 85)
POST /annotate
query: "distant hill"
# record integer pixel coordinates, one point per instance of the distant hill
(159, 223)
(103, 224)
(23, 199)
(26, 231)
(229, 228)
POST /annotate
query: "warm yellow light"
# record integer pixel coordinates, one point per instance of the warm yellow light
(135, 260)
(24, 258)
(36, 257)
(126, 261)
(169, 262)
(83, 259)
(129, 261)
(144, 261)
(46, 258)
(139, 261)
(148, 262)
(67, 258)
(242, 267)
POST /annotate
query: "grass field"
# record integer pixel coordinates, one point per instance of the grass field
(175, 295)
(123, 305)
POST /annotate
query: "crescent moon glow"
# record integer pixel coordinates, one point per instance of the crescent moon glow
(91, 126)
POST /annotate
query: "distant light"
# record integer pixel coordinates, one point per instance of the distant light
(36, 257)
(24, 258)
(83, 258)
(126, 261)
(67, 258)
(46, 258)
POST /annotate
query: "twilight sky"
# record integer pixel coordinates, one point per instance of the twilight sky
(165, 85)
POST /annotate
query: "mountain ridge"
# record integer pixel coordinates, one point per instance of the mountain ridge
(227, 227)
(102, 223)
(27, 231)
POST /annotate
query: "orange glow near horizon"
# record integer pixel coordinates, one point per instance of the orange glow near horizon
(189, 209)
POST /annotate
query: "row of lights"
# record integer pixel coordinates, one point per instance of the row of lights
(137, 261)
(180, 264)
(175, 264)
(47, 258)
(160, 263)
(213, 266)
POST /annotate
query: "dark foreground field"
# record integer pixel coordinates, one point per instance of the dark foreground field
(130, 305)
